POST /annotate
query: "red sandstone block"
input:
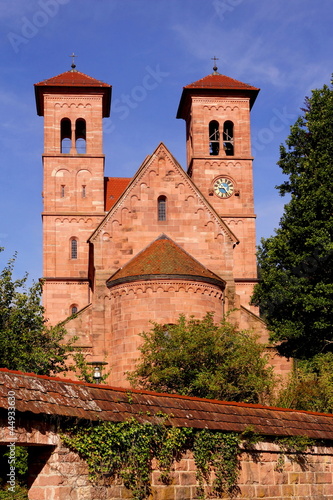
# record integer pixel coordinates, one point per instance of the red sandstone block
(267, 473)
(188, 478)
(323, 477)
(163, 493)
(261, 492)
(302, 490)
(316, 489)
(287, 490)
(328, 490)
(182, 493)
(36, 493)
(182, 465)
(293, 478)
(249, 473)
(274, 491)
(280, 477)
(247, 491)
(50, 480)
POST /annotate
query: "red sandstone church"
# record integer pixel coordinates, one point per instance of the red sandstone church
(121, 252)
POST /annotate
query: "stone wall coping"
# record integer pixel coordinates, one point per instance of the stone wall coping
(39, 394)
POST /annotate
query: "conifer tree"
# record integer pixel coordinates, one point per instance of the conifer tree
(295, 294)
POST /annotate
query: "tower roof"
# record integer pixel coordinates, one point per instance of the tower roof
(216, 84)
(72, 82)
(163, 258)
(218, 81)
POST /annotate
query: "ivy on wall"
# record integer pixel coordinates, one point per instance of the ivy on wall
(126, 450)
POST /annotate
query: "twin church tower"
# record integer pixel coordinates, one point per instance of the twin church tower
(121, 252)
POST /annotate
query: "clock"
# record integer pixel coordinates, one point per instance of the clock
(223, 187)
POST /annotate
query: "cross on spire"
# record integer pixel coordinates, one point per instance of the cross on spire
(215, 67)
(73, 65)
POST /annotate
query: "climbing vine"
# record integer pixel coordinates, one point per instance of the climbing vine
(125, 450)
(217, 451)
(294, 448)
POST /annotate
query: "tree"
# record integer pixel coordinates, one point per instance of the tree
(200, 358)
(295, 293)
(26, 342)
(310, 386)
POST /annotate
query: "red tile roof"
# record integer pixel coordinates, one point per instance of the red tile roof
(72, 79)
(41, 395)
(217, 81)
(164, 258)
(114, 188)
(69, 82)
(214, 83)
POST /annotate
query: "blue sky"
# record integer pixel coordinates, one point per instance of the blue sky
(284, 47)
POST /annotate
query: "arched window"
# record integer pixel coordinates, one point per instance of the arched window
(80, 136)
(62, 191)
(214, 138)
(84, 191)
(228, 138)
(73, 248)
(65, 135)
(161, 208)
(74, 309)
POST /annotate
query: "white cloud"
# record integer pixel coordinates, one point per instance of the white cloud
(267, 41)
(16, 9)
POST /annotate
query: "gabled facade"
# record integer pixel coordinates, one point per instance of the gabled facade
(121, 252)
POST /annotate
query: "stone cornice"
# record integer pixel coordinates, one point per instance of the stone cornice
(64, 279)
(222, 158)
(74, 214)
(155, 285)
(166, 277)
(71, 155)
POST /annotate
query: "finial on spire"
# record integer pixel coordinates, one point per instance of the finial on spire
(73, 65)
(215, 67)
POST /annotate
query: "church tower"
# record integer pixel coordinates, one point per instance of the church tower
(73, 105)
(218, 142)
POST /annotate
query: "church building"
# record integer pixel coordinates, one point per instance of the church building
(121, 252)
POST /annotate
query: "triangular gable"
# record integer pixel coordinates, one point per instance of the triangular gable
(160, 152)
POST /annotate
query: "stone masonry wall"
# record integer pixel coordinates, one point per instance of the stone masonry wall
(63, 476)
(134, 305)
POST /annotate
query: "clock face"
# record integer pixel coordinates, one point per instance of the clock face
(223, 187)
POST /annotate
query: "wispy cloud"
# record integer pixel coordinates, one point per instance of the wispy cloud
(266, 45)
(16, 9)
